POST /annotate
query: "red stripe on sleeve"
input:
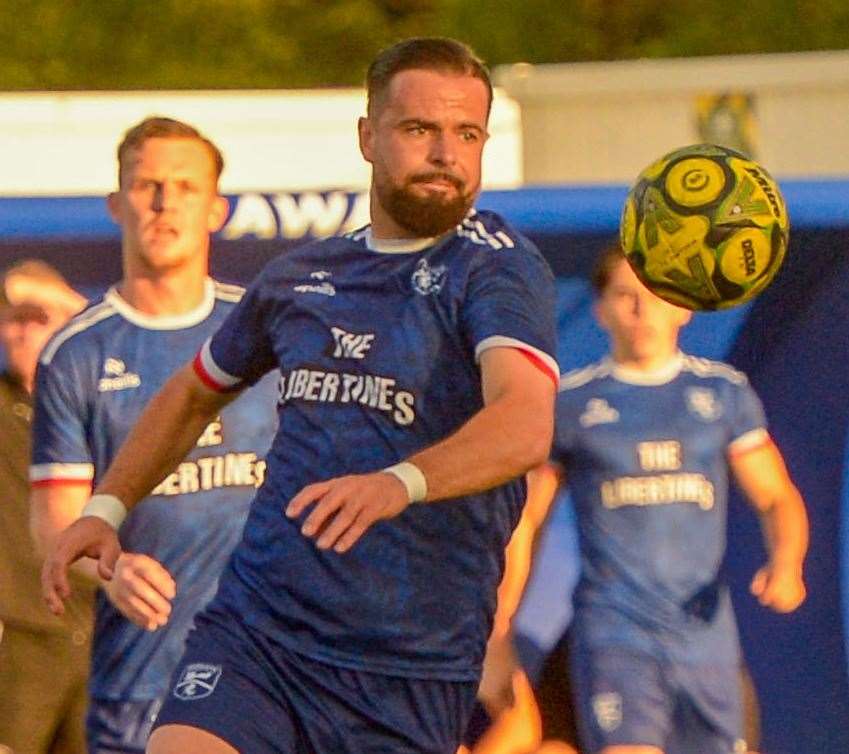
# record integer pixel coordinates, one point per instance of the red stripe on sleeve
(205, 377)
(58, 481)
(540, 364)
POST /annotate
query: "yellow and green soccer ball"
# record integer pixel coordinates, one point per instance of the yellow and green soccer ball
(705, 227)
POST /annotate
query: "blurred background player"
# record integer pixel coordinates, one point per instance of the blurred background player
(645, 440)
(96, 376)
(529, 656)
(418, 387)
(43, 659)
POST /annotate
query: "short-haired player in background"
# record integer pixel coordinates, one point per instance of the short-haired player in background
(43, 659)
(418, 384)
(646, 439)
(95, 377)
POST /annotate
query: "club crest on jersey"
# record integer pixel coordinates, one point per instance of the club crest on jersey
(198, 681)
(598, 411)
(318, 284)
(428, 280)
(116, 376)
(607, 708)
(703, 403)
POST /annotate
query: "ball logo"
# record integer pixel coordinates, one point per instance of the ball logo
(749, 259)
(198, 681)
(695, 180)
(767, 189)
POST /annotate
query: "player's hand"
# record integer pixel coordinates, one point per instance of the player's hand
(88, 536)
(499, 667)
(779, 587)
(142, 589)
(345, 507)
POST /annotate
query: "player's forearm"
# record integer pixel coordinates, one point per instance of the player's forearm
(165, 432)
(502, 441)
(53, 508)
(785, 525)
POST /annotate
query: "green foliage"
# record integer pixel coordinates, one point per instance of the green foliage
(125, 44)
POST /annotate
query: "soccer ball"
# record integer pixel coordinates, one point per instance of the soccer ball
(705, 227)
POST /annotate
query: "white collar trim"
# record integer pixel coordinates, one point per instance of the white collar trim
(165, 321)
(660, 376)
(397, 245)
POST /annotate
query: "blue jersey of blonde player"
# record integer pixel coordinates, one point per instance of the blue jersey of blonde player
(645, 458)
(378, 343)
(94, 378)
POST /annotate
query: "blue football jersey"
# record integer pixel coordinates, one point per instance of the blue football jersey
(94, 378)
(645, 458)
(378, 346)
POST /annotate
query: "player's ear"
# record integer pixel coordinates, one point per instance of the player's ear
(600, 314)
(218, 214)
(113, 204)
(366, 134)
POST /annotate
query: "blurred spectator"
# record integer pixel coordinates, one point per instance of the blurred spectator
(43, 659)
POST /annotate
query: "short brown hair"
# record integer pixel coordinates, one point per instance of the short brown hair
(608, 260)
(157, 127)
(423, 53)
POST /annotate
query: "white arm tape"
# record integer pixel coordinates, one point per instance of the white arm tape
(412, 478)
(106, 507)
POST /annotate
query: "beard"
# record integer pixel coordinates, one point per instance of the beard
(431, 214)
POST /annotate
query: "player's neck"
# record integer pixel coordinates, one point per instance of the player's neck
(164, 295)
(660, 365)
(383, 227)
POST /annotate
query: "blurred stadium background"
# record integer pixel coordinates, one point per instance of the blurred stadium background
(569, 132)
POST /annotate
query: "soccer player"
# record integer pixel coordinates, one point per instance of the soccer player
(43, 659)
(95, 377)
(417, 387)
(646, 440)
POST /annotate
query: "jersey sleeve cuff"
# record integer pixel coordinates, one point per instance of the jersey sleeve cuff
(540, 359)
(750, 440)
(213, 376)
(60, 473)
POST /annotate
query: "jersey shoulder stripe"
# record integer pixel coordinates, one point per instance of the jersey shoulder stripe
(702, 367)
(580, 377)
(77, 325)
(474, 229)
(357, 235)
(228, 292)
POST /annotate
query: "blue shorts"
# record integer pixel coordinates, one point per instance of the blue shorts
(116, 727)
(626, 697)
(262, 698)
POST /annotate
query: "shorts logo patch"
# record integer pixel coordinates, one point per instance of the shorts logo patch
(607, 708)
(197, 681)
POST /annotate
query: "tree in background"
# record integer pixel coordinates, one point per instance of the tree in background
(199, 44)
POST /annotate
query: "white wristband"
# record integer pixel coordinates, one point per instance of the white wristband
(412, 478)
(106, 507)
